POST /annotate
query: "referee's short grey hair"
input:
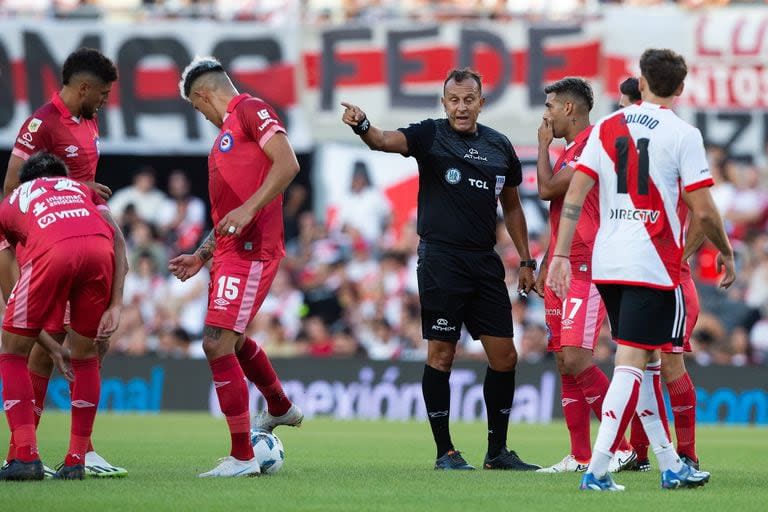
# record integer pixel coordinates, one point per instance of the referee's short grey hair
(197, 68)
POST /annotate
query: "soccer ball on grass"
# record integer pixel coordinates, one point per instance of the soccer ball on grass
(268, 450)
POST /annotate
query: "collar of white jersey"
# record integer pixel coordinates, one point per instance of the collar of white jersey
(651, 106)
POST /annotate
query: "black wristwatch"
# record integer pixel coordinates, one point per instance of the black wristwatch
(528, 263)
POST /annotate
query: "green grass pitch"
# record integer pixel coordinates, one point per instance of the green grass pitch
(368, 466)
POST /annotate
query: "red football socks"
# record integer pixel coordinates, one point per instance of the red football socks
(85, 403)
(229, 380)
(258, 369)
(576, 412)
(682, 398)
(18, 400)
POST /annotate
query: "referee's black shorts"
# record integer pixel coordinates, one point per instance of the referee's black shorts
(458, 286)
(643, 317)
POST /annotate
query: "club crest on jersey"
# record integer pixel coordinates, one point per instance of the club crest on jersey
(34, 124)
(453, 176)
(226, 142)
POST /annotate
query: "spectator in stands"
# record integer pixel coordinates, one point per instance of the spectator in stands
(182, 217)
(143, 195)
(365, 208)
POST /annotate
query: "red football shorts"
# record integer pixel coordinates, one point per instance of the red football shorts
(692, 309)
(78, 270)
(237, 290)
(576, 321)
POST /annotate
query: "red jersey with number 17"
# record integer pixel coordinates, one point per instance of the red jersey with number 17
(44, 211)
(237, 167)
(586, 229)
(53, 129)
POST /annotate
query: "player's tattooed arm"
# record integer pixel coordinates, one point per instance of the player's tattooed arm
(205, 251)
(571, 211)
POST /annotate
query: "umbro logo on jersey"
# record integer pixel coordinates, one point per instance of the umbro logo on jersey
(71, 151)
(568, 401)
(82, 404)
(474, 154)
(681, 408)
(221, 302)
(591, 399)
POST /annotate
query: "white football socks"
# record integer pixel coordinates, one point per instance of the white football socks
(648, 405)
(618, 407)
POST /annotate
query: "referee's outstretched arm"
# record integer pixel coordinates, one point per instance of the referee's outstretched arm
(380, 140)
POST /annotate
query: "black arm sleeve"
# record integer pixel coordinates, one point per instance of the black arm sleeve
(420, 137)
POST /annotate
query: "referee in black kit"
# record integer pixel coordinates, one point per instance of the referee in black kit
(464, 168)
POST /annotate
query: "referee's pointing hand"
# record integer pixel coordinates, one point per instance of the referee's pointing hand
(352, 114)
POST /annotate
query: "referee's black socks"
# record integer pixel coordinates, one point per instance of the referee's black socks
(499, 392)
(437, 397)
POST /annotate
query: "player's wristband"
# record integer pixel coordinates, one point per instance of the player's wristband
(362, 127)
(528, 264)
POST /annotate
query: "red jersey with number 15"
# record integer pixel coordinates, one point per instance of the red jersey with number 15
(53, 129)
(237, 167)
(586, 229)
(44, 211)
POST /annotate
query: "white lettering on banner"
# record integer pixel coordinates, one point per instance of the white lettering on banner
(401, 401)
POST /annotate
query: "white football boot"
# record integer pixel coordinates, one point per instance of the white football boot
(568, 465)
(231, 467)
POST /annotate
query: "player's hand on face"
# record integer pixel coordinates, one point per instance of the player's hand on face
(526, 281)
(108, 324)
(104, 191)
(185, 266)
(726, 263)
(234, 222)
(541, 281)
(545, 133)
(352, 114)
(559, 276)
(61, 359)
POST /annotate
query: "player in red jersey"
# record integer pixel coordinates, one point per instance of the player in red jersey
(642, 157)
(682, 393)
(66, 126)
(65, 245)
(250, 165)
(574, 323)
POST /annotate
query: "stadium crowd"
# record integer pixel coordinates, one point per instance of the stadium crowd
(348, 288)
(328, 11)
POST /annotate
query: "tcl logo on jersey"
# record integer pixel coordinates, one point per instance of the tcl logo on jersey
(71, 151)
(478, 183)
(633, 214)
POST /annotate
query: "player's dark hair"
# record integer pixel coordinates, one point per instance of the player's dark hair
(88, 60)
(459, 75)
(198, 67)
(41, 165)
(664, 70)
(576, 88)
(631, 89)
